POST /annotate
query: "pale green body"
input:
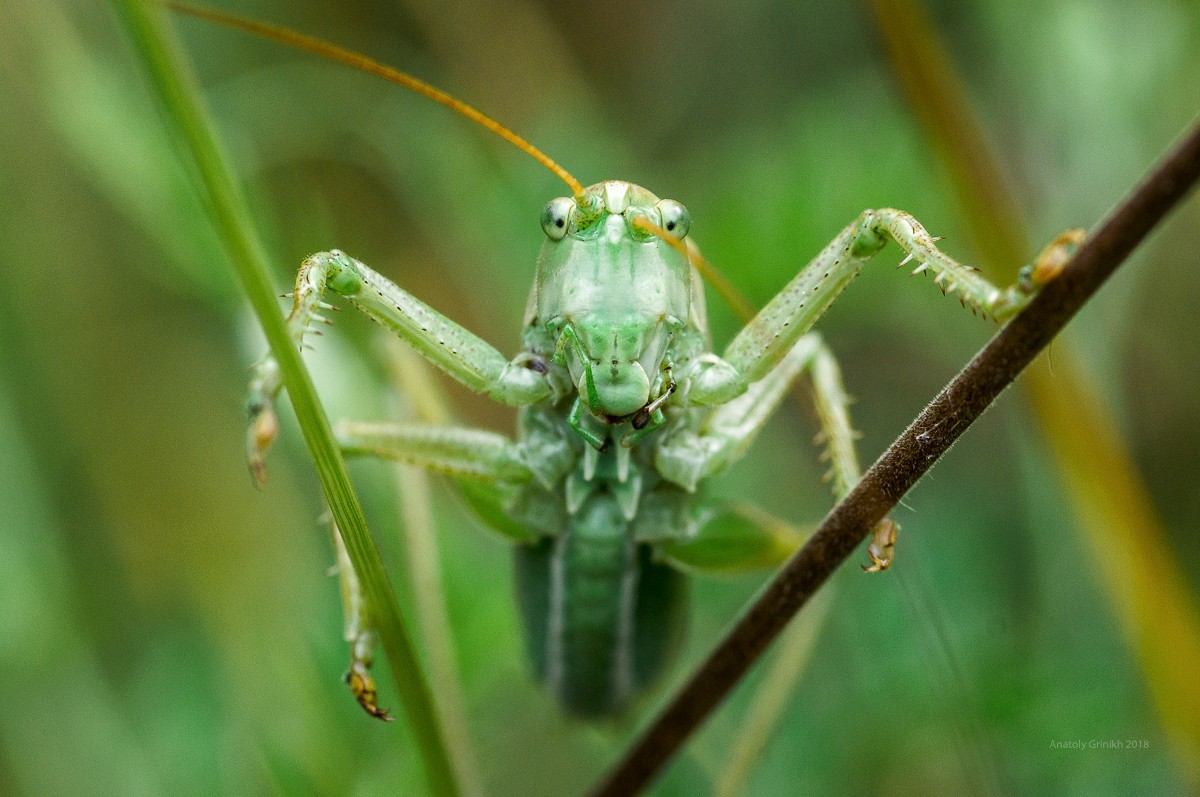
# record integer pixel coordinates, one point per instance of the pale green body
(602, 616)
(625, 411)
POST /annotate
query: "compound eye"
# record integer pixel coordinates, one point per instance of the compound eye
(556, 217)
(675, 218)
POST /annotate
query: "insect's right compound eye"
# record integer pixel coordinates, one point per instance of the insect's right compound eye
(556, 218)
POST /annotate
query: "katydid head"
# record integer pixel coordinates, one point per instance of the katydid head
(613, 291)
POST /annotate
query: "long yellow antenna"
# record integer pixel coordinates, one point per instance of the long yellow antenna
(712, 275)
(363, 63)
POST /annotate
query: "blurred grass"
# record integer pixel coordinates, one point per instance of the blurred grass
(148, 654)
(1144, 579)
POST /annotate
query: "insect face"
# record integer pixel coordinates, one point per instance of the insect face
(612, 292)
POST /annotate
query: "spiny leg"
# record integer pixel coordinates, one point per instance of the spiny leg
(751, 367)
(459, 452)
(472, 454)
(688, 457)
(451, 347)
(832, 402)
(771, 334)
(491, 471)
(833, 410)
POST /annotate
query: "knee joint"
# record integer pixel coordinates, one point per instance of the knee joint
(343, 277)
(869, 240)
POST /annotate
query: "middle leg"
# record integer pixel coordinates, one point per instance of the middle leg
(688, 457)
(449, 450)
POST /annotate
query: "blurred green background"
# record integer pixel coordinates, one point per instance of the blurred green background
(166, 629)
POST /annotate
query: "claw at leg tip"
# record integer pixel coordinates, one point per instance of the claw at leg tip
(881, 551)
(878, 565)
(1054, 257)
(362, 686)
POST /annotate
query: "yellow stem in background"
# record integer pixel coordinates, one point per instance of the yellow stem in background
(1140, 570)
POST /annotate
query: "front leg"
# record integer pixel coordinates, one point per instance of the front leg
(749, 380)
(451, 347)
(450, 450)
(764, 342)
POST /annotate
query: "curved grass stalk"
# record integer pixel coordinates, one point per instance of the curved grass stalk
(173, 86)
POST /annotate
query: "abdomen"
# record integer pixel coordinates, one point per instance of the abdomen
(602, 620)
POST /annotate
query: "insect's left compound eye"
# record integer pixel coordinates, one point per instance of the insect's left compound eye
(675, 218)
(556, 218)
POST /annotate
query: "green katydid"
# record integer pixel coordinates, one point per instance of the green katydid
(625, 411)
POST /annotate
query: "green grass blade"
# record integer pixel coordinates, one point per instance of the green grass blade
(229, 213)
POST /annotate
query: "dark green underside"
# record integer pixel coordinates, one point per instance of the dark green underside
(592, 578)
